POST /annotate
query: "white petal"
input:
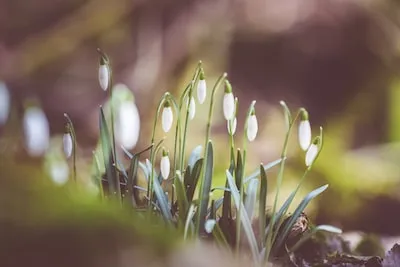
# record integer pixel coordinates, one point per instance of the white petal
(36, 130)
(59, 172)
(232, 123)
(311, 154)
(209, 225)
(252, 128)
(167, 119)
(201, 91)
(192, 108)
(165, 167)
(229, 106)
(4, 103)
(127, 124)
(67, 144)
(304, 134)
(104, 77)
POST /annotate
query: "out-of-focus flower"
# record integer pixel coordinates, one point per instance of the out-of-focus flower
(229, 102)
(192, 108)
(165, 165)
(59, 172)
(201, 89)
(127, 124)
(209, 225)
(36, 130)
(167, 117)
(67, 144)
(304, 131)
(252, 126)
(4, 103)
(104, 74)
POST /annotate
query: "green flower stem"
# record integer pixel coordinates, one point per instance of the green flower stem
(71, 130)
(190, 93)
(245, 141)
(208, 130)
(270, 235)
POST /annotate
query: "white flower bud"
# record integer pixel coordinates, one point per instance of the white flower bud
(127, 124)
(209, 225)
(36, 130)
(4, 103)
(67, 144)
(59, 172)
(231, 125)
(311, 154)
(167, 117)
(192, 108)
(104, 75)
(201, 90)
(165, 165)
(252, 127)
(229, 102)
(304, 132)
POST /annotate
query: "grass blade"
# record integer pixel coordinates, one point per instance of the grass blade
(206, 187)
(262, 204)
(194, 179)
(162, 201)
(183, 204)
(189, 220)
(243, 217)
(133, 169)
(266, 168)
(303, 204)
(251, 196)
(239, 169)
(194, 156)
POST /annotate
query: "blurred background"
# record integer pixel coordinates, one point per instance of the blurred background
(338, 59)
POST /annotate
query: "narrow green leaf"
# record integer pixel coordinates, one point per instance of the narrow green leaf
(113, 181)
(133, 169)
(162, 201)
(145, 171)
(189, 220)
(183, 204)
(267, 166)
(205, 197)
(303, 204)
(217, 205)
(243, 217)
(239, 169)
(195, 156)
(195, 175)
(226, 209)
(251, 196)
(309, 234)
(262, 204)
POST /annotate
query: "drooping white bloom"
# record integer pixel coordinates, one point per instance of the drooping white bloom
(252, 126)
(229, 102)
(201, 89)
(104, 74)
(167, 117)
(59, 172)
(36, 130)
(4, 103)
(311, 154)
(304, 132)
(165, 165)
(231, 125)
(127, 124)
(67, 144)
(209, 225)
(192, 108)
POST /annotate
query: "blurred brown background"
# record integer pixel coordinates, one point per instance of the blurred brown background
(339, 59)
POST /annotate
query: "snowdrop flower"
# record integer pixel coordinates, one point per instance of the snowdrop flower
(104, 73)
(36, 130)
(59, 172)
(201, 89)
(229, 102)
(209, 225)
(127, 124)
(304, 131)
(192, 108)
(4, 103)
(252, 126)
(167, 117)
(231, 124)
(165, 165)
(67, 144)
(311, 153)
